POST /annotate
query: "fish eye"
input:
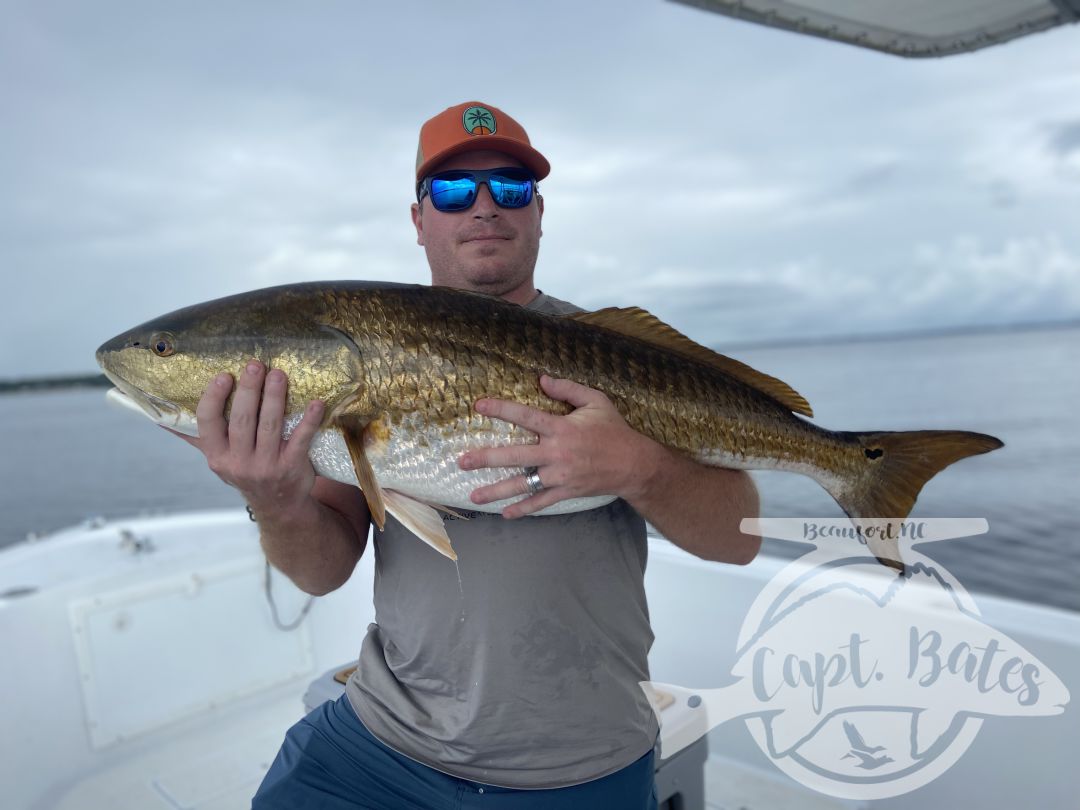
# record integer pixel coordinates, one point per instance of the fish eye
(162, 344)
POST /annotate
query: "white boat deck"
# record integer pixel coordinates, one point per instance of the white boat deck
(733, 785)
(216, 767)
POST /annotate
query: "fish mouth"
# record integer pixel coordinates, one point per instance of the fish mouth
(160, 411)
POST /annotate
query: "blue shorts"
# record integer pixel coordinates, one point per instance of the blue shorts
(330, 761)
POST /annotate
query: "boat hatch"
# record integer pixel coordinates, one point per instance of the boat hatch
(202, 638)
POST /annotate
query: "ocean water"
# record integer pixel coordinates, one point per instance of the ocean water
(68, 455)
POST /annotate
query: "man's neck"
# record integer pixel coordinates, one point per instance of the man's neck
(522, 295)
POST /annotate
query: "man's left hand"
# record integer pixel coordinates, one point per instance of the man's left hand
(589, 451)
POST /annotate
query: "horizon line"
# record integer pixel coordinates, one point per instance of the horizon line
(97, 379)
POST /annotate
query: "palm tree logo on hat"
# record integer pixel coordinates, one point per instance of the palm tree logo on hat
(478, 121)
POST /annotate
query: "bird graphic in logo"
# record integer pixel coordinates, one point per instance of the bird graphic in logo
(478, 121)
(864, 752)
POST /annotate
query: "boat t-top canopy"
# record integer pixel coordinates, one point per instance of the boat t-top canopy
(914, 28)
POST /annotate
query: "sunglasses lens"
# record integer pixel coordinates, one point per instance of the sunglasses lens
(456, 191)
(511, 190)
(453, 191)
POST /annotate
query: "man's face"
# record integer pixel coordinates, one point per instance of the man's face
(486, 248)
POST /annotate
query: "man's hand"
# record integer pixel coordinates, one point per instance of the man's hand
(247, 451)
(590, 451)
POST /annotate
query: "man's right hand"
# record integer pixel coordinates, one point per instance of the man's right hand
(312, 529)
(247, 450)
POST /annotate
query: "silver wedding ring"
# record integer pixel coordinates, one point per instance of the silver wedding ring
(532, 480)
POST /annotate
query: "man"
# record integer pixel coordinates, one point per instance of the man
(517, 685)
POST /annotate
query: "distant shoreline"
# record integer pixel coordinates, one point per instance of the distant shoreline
(101, 381)
(918, 334)
(63, 383)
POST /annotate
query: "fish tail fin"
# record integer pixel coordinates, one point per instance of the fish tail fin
(896, 465)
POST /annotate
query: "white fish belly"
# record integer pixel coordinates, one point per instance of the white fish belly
(420, 460)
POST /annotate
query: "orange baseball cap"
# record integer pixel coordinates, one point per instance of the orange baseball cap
(473, 126)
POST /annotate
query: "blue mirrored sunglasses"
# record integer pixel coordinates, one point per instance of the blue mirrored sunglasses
(456, 190)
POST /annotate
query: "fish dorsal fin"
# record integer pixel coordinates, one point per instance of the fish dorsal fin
(638, 323)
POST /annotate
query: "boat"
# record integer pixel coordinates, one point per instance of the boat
(910, 30)
(155, 662)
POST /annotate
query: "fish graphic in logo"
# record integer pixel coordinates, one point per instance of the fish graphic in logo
(862, 684)
(478, 121)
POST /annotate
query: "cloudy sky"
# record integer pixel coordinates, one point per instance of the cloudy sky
(744, 184)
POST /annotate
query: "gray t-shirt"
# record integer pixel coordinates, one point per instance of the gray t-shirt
(519, 667)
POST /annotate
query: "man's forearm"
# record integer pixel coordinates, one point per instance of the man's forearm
(313, 544)
(696, 507)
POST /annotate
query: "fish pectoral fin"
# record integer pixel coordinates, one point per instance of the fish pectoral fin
(343, 367)
(638, 323)
(421, 519)
(365, 476)
(356, 360)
